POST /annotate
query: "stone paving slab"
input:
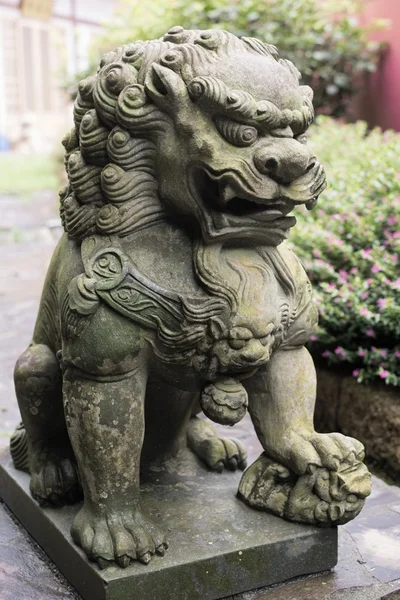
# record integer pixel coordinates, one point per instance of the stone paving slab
(369, 556)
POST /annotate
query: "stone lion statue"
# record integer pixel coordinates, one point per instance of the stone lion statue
(172, 290)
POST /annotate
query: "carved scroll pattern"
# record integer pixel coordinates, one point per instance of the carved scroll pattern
(110, 276)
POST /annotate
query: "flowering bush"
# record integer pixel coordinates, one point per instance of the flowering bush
(350, 246)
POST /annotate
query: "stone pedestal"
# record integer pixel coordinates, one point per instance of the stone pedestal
(218, 546)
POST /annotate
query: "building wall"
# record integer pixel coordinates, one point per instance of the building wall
(380, 105)
(36, 55)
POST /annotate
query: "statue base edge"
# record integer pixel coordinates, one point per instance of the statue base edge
(218, 546)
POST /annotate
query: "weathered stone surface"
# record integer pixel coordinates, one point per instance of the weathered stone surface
(218, 546)
(173, 288)
(371, 413)
(25, 570)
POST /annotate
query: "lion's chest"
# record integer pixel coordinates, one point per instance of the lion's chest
(214, 309)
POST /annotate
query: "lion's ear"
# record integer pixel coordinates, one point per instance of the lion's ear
(165, 87)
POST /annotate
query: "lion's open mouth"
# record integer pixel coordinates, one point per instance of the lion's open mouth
(231, 207)
(220, 195)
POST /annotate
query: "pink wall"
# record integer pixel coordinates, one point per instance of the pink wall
(381, 103)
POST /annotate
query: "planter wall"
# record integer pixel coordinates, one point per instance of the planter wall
(370, 413)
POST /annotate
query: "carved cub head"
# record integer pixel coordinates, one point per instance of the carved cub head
(201, 125)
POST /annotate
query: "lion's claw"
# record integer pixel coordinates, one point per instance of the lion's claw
(219, 453)
(103, 563)
(162, 548)
(146, 558)
(124, 561)
(106, 538)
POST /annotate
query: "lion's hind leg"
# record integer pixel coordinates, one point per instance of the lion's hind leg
(41, 444)
(215, 451)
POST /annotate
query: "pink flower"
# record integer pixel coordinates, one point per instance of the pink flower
(325, 353)
(314, 338)
(343, 274)
(391, 220)
(316, 253)
(339, 351)
(366, 253)
(376, 268)
(356, 373)
(331, 287)
(382, 302)
(383, 373)
(364, 295)
(397, 353)
(370, 333)
(396, 284)
(361, 352)
(383, 353)
(363, 311)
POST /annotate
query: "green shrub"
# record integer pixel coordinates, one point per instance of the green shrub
(323, 38)
(350, 246)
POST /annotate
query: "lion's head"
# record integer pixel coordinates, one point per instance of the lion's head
(199, 124)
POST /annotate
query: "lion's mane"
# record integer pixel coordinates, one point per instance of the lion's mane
(111, 152)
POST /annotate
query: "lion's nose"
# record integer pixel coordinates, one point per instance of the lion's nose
(284, 160)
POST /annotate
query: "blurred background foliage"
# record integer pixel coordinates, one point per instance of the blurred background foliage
(350, 246)
(324, 39)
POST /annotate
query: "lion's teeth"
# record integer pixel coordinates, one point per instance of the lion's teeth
(227, 193)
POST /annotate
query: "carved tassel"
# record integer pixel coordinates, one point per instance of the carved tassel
(224, 401)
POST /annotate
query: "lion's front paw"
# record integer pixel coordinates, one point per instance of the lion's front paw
(302, 452)
(117, 535)
(54, 477)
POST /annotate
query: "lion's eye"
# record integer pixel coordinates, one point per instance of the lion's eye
(302, 138)
(235, 133)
